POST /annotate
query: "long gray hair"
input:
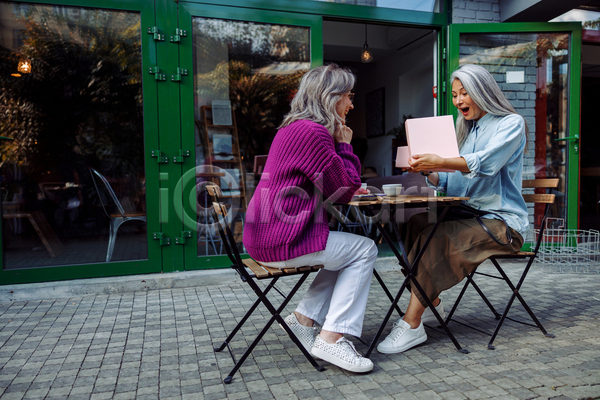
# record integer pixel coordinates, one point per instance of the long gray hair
(320, 90)
(484, 91)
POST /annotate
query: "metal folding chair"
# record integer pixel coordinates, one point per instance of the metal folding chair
(529, 256)
(251, 271)
(116, 218)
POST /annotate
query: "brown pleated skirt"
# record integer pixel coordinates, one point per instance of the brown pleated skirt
(457, 249)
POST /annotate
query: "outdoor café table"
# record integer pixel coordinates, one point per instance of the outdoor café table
(442, 204)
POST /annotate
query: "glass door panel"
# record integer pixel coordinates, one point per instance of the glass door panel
(73, 173)
(245, 73)
(537, 73)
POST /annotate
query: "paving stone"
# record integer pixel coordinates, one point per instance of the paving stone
(158, 345)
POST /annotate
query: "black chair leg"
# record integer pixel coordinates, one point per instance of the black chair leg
(385, 319)
(515, 294)
(245, 318)
(442, 323)
(249, 350)
(471, 281)
(275, 315)
(295, 339)
(458, 299)
(485, 299)
(386, 291)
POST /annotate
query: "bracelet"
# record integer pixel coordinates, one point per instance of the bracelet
(425, 174)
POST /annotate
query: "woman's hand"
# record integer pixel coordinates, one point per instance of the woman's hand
(425, 162)
(362, 191)
(429, 162)
(343, 134)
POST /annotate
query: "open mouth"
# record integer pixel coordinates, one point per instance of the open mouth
(465, 110)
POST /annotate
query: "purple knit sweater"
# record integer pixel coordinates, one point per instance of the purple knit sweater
(286, 217)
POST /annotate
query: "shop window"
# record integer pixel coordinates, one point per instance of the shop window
(71, 100)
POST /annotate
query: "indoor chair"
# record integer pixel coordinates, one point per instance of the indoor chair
(117, 218)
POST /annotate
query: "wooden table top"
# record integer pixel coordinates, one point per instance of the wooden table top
(407, 199)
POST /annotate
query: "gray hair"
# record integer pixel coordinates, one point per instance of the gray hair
(485, 92)
(319, 92)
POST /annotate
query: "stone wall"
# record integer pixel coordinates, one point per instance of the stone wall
(475, 11)
(500, 53)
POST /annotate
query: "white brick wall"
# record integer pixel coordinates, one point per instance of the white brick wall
(475, 11)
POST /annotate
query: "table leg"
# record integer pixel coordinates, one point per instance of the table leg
(386, 319)
(403, 260)
(400, 255)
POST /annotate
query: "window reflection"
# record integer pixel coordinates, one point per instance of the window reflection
(245, 75)
(79, 107)
(531, 69)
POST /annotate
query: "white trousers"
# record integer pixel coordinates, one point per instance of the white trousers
(337, 298)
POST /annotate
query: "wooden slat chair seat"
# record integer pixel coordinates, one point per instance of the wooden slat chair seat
(543, 198)
(263, 272)
(251, 271)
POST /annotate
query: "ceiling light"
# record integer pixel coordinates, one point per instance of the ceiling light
(366, 56)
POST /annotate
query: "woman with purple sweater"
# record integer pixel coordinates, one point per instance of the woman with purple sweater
(310, 161)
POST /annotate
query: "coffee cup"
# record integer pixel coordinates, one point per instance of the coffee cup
(393, 189)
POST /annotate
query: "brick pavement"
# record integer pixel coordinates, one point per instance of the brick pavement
(158, 345)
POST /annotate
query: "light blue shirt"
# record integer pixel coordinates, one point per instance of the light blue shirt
(493, 151)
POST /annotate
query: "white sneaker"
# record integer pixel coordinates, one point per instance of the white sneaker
(342, 354)
(402, 338)
(428, 316)
(306, 334)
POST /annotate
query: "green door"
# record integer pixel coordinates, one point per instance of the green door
(538, 67)
(242, 70)
(79, 99)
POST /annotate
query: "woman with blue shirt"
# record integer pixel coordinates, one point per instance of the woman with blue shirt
(492, 139)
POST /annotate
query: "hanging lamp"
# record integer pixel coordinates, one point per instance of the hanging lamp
(24, 66)
(366, 56)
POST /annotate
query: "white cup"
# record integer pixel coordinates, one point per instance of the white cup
(363, 185)
(393, 189)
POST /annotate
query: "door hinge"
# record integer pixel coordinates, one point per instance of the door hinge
(444, 86)
(157, 74)
(184, 235)
(444, 53)
(153, 30)
(179, 158)
(179, 33)
(180, 72)
(160, 158)
(162, 240)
